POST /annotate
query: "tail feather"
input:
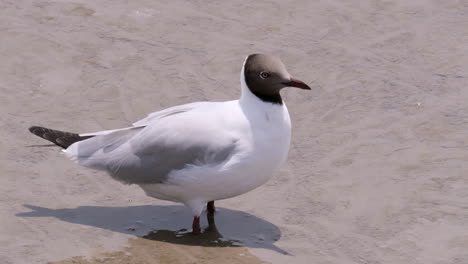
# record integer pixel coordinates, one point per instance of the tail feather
(59, 138)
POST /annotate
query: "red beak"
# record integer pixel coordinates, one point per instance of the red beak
(296, 83)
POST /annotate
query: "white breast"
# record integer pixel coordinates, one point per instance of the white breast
(270, 143)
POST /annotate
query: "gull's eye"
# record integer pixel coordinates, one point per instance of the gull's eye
(264, 75)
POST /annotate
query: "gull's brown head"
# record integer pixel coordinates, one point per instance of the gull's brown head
(266, 75)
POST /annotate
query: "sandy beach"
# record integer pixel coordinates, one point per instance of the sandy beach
(377, 171)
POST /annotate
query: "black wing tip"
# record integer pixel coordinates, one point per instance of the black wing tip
(36, 130)
(32, 128)
(59, 138)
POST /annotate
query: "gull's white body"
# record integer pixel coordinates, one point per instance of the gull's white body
(262, 131)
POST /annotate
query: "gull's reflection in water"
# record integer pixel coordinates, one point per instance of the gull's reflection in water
(209, 238)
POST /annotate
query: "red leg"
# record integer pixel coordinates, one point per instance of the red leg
(210, 207)
(196, 225)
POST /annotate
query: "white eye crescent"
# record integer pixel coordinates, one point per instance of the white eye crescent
(264, 75)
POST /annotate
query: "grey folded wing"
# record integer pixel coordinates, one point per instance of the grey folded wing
(148, 155)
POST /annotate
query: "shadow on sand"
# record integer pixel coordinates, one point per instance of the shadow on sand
(169, 224)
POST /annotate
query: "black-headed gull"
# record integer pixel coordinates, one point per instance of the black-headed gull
(199, 152)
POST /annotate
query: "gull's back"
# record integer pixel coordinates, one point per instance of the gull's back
(170, 142)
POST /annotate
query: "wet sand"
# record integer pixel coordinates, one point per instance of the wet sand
(377, 169)
(142, 251)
